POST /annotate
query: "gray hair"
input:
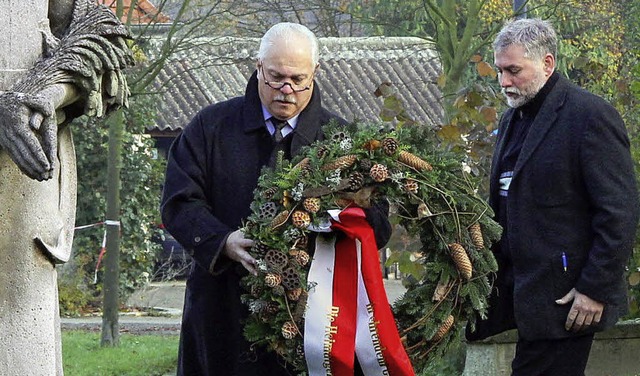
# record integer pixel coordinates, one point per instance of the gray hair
(284, 31)
(536, 36)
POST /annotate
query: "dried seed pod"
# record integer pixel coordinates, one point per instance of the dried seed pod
(461, 259)
(256, 290)
(272, 280)
(411, 186)
(276, 260)
(311, 204)
(340, 163)
(290, 279)
(280, 219)
(289, 330)
(301, 219)
(443, 329)
(342, 202)
(379, 172)
(294, 294)
(475, 232)
(268, 210)
(338, 136)
(414, 161)
(390, 145)
(371, 145)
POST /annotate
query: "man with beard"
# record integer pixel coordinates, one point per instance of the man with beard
(213, 168)
(563, 188)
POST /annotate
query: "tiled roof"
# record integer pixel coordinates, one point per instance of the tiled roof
(351, 69)
(143, 13)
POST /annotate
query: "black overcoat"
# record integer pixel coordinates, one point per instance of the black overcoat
(573, 191)
(212, 171)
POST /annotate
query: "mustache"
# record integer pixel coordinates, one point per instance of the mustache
(285, 98)
(511, 90)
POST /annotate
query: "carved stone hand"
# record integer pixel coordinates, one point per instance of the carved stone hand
(28, 132)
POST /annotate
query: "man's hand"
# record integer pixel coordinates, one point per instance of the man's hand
(28, 132)
(584, 310)
(236, 249)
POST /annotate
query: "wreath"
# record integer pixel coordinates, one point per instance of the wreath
(447, 275)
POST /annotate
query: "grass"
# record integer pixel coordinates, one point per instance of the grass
(137, 355)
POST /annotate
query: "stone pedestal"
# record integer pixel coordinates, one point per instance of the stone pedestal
(614, 352)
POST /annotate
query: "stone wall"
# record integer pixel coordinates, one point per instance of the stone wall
(614, 352)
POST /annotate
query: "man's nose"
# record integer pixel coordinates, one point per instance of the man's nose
(504, 80)
(286, 88)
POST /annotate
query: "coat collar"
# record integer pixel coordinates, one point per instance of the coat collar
(543, 122)
(308, 125)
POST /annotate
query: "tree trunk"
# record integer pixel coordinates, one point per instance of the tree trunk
(110, 309)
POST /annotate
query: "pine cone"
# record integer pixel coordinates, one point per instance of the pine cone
(411, 186)
(301, 307)
(289, 330)
(272, 280)
(280, 219)
(389, 145)
(356, 181)
(414, 161)
(270, 308)
(366, 164)
(379, 173)
(340, 163)
(301, 258)
(443, 329)
(301, 242)
(461, 260)
(475, 231)
(301, 219)
(259, 249)
(294, 294)
(269, 192)
(268, 210)
(322, 151)
(311, 204)
(256, 290)
(302, 164)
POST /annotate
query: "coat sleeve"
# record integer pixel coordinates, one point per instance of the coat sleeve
(608, 175)
(186, 212)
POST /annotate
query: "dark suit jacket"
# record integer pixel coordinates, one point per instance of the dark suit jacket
(573, 191)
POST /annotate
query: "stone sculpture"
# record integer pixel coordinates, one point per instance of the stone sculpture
(58, 60)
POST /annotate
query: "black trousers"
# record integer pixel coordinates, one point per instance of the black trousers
(558, 357)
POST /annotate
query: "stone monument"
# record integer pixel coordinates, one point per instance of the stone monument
(58, 60)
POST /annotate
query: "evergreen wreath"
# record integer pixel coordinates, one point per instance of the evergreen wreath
(431, 197)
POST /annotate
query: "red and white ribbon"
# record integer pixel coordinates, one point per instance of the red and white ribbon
(348, 312)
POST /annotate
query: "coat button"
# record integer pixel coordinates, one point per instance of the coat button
(197, 239)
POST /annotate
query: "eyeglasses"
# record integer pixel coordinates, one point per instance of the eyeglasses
(279, 85)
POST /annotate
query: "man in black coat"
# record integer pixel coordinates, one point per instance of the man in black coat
(212, 171)
(563, 188)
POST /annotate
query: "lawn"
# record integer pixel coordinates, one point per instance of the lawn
(137, 355)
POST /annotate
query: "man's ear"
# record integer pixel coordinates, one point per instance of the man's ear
(549, 64)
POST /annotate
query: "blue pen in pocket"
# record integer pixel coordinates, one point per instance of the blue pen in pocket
(564, 261)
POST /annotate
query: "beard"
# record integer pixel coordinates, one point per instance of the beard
(525, 94)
